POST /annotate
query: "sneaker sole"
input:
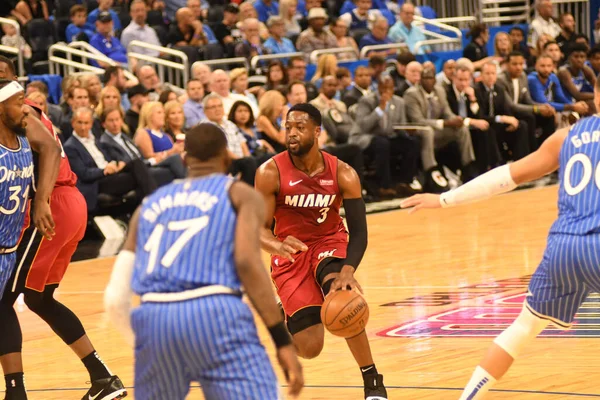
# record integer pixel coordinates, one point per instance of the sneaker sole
(119, 394)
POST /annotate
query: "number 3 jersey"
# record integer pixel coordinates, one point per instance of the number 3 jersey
(307, 208)
(579, 191)
(16, 172)
(186, 237)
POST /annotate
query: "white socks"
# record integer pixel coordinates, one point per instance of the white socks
(481, 381)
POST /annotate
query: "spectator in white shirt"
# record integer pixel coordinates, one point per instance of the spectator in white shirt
(542, 24)
(220, 84)
(138, 30)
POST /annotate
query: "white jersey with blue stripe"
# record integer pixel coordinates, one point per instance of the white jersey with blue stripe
(16, 174)
(185, 237)
(579, 192)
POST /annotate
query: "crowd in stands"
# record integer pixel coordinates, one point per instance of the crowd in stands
(402, 124)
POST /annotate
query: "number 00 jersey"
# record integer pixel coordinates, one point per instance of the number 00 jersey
(16, 172)
(307, 208)
(186, 237)
(579, 192)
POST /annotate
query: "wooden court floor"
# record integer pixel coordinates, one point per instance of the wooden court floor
(440, 284)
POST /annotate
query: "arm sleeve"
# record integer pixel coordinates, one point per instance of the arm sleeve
(356, 217)
(537, 94)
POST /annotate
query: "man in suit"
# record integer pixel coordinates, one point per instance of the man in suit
(495, 109)
(514, 83)
(376, 116)
(360, 86)
(399, 73)
(413, 76)
(121, 147)
(463, 102)
(97, 172)
(426, 105)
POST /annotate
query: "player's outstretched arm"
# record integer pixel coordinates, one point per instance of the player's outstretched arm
(356, 218)
(118, 293)
(43, 143)
(250, 218)
(267, 184)
(499, 180)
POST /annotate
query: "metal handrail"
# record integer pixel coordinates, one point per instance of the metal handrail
(314, 56)
(224, 61)
(72, 64)
(454, 20)
(183, 67)
(256, 59)
(421, 43)
(441, 25)
(10, 50)
(375, 47)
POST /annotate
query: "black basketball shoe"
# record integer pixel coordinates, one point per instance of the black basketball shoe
(374, 389)
(106, 389)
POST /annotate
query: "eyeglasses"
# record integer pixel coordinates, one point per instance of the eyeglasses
(213, 107)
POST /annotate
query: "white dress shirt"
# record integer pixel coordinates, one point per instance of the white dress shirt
(90, 145)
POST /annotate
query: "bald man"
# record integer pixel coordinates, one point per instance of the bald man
(412, 77)
(220, 84)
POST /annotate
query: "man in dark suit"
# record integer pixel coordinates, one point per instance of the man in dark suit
(360, 86)
(496, 110)
(376, 116)
(514, 83)
(426, 105)
(463, 102)
(121, 147)
(97, 172)
(399, 73)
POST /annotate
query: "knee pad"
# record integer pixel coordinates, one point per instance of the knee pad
(36, 302)
(523, 330)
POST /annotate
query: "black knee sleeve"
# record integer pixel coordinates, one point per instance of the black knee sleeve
(328, 266)
(62, 320)
(11, 338)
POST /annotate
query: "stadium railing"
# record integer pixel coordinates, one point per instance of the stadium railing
(376, 47)
(177, 73)
(241, 61)
(314, 56)
(268, 57)
(13, 51)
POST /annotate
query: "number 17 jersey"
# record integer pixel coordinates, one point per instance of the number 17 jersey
(579, 190)
(307, 208)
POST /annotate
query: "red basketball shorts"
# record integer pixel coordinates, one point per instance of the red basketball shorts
(296, 282)
(42, 262)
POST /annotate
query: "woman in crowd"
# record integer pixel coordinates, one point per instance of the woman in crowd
(150, 138)
(26, 10)
(241, 116)
(476, 51)
(339, 28)
(109, 98)
(277, 77)
(288, 10)
(502, 44)
(174, 119)
(166, 96)
(327, 65)
(270, 120)
(92, 83)
(239, 85)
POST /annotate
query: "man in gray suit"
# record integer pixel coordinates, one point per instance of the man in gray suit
(514, 82)
(426, 104)
(376, 115)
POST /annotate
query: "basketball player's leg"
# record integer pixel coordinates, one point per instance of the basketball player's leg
(555, 293)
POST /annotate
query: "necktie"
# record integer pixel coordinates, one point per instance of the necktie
(133, 153)
(491, 100)
(431, 109)
(462, 106)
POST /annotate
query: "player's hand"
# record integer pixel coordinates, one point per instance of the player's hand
(345, 280)
(42, 219)
(291, 246)
(547, 110)
(420, 201)
(580, 107)
(292, 369)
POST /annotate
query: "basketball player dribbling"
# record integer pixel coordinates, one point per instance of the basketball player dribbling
(570, 267)
(42, 260)
(312, 254)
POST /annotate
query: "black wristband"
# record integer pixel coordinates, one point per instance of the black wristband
(280, 335)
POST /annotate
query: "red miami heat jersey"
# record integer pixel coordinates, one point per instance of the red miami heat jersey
(307, 208)
(66, 177)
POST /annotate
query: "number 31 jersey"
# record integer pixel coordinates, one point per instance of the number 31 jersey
(16, 172)
(186, 237)
(579, 192)
(307, 208)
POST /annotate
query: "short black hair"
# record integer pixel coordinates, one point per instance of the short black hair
(516, 28)
(205, 141)
(549, 43)
(514, 54)
(376, 61)
(235, 106)
(313, 113)
(110, 71)
(594, 50)
(406, 57)
(9, 63)
(578, 48)
(477, 30)
(581, 36)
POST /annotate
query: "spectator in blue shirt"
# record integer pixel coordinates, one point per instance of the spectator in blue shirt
(266, 9)
(405, 31)
(105, 6)
(378, 35)
(79, 29)
(105, 42)
(277, 43)
(545, 88)
(193, 108)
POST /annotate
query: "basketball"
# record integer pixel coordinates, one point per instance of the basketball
(345, 313)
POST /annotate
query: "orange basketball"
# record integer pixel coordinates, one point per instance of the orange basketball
(345, 313)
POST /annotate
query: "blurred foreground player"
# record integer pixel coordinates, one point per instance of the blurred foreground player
(312, 254)
(191, 246)
(43, 255)
(570, 267)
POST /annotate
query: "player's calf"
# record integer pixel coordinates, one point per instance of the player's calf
(307, 331)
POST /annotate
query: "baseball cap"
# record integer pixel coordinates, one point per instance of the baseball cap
(104, 16)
